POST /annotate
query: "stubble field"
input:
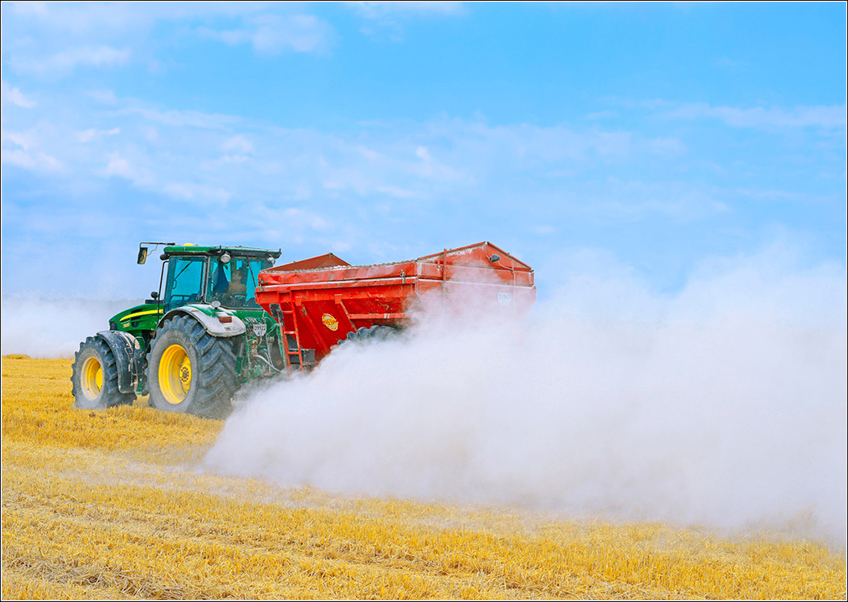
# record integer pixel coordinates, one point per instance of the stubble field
(112, 505)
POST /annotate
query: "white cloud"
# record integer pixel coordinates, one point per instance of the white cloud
(184, 118)
(237, 143)
(65, 61)
(132, 169)
(16, 97)
(381, 10)
(665, 146)
(106, 97)
(785, 196)
(120, 18)
(37, 161)
(397, 164)
(399, 172)
(190, 191)
(634, 200)
(829, 117)
(398, 192)
(233, 159)
(387, 18)
(305, 218)
(28, 153)
(301, 33)
(52, 40)
(272, 34)
(91, 134)
(118, 166)
(606, 114)
(25, 140)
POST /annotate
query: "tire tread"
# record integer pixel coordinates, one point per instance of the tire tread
(215, 374)
(110, 396)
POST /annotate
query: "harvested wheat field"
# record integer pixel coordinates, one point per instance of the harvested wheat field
(111, 505)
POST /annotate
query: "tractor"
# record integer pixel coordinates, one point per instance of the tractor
(190, 348)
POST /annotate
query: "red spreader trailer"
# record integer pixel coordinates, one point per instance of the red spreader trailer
(323, 300)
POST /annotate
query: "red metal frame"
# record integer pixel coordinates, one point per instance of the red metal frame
(321, 305)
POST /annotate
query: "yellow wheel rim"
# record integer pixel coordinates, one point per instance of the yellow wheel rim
(92, 378)
(175, 374)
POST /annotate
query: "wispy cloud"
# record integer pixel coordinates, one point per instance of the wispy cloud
(179, 118)
(16, 97)
(237, 143)
(380, 10)
(828, 117)
(196, 157)
(118, 166)
(64, 62)
(23, 149)
(91, 134)
(634, 200)
(388, 18)
(191, 191)
(606, 114)
(271, 34)
(115, 19)
(35, 161)
(24, 140)
(52, 40)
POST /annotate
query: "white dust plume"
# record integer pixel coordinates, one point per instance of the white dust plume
(51, 328)
(723, 405)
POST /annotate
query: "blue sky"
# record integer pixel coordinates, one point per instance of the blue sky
(656, 136)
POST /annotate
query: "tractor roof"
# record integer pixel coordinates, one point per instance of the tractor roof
(190, 249)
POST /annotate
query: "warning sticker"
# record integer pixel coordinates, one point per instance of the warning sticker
(330, 322)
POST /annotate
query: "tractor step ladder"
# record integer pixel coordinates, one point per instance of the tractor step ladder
(298, 351)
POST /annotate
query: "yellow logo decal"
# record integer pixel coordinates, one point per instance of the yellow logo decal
(330, 322)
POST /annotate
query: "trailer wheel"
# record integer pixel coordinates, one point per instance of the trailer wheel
(190, 371)
(95, 377)
(371, 333)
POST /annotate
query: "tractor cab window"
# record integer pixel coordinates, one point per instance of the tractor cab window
(234, 283)
(185, 281)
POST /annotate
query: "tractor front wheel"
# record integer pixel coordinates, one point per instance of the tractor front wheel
(189, 370)
(95, 377)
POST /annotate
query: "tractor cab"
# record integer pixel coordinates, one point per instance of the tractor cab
(193, 274)
(227, 275)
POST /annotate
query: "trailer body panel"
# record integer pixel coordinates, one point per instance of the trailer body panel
(319, 307)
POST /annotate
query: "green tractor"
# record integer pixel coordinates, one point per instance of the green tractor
(206, 329)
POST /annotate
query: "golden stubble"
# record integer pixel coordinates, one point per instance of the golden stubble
(112, 505)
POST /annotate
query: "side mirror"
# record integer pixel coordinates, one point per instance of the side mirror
(142, 254)
(154, 295)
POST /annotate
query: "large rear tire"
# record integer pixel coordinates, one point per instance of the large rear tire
(95, 377)
(190, 371)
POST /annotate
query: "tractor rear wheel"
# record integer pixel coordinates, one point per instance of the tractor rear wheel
(95, 377)
(190, 371)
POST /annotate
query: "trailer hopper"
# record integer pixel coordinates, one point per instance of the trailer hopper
(320, 301)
